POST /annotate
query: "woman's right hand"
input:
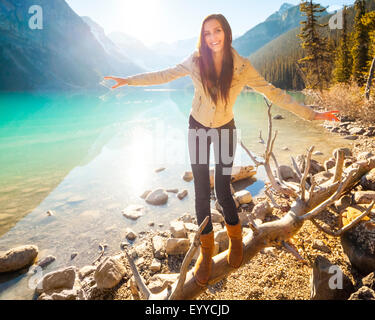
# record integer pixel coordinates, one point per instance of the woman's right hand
(120, 81)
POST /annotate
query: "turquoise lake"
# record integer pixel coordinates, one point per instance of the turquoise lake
(87, 156)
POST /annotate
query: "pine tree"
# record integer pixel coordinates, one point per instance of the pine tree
(343, 63)
(317, 60)
(360, 50)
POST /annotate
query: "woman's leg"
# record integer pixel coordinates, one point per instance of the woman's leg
(225, 150)
(199, 152)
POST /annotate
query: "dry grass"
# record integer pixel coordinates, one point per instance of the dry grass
(349, 99)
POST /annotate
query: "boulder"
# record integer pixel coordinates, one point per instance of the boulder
(109, 272)
(85, 271)
(328, 282)
(182, 194)
(155, 265)
(76, 293)
(368, 180)
(45, 261)
(261, 209)
(158, 247)
(187, 176)
(176, 246)
(364, 196)
(190, 227)
(178, 229)
(243, 196)
(18, 258)
(216, 216)
(130, 234)
(362, 260)
(363, 293)
(157, 197)
(369, 281)
(288, 174)
(63, 278)
(159, 282)
(221, 237)
(329, 164)
(133, 211)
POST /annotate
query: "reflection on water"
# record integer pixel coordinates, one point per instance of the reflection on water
(86, 158)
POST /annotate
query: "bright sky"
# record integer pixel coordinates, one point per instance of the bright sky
(153, 21)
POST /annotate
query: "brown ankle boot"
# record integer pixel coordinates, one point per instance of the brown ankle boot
(202, 269)
(235, 251)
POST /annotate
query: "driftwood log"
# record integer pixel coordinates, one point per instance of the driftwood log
(309, 201)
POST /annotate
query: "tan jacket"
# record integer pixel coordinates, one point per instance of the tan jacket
(203, 108)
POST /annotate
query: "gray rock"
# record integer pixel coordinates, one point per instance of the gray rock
(18, 258)
(133, 211)
(243, 196)
(130, 234)
(358, 257)
(347, 152)
(155, 265)
(287, 173)
(186, 217)
(326, 282)
(85, 271)
(368, 180)
(356, 130)
(61, 278)
(75, 293)
(329, 164)
(157, 197)
(221, 237)
(187, 176)
(350, 137)
(216, 216)
(182, 194)
(369, 281)
(159, 282)
(109, 272)
(158, 247)
(178, 229)
(364, 196)
(363, 293)
(261, 209)
(176, 246)
(46, 261)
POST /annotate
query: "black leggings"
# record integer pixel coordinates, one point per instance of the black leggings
(224, 142)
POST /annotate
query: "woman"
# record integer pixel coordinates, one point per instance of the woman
(219, 73)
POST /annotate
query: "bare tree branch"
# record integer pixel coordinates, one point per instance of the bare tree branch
(349, 226)
(177, 292)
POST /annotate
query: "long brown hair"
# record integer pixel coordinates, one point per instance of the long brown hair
(211, 83)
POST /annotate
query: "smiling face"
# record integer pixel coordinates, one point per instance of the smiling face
(214, 35)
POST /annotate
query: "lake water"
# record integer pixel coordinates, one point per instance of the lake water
(86, 157)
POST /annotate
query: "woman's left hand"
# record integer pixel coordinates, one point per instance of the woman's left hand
(328, 115)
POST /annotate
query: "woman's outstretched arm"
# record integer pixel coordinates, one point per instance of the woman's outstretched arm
(157, 77)
(281, 98)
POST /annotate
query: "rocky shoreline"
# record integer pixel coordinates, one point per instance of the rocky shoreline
(272, 274)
